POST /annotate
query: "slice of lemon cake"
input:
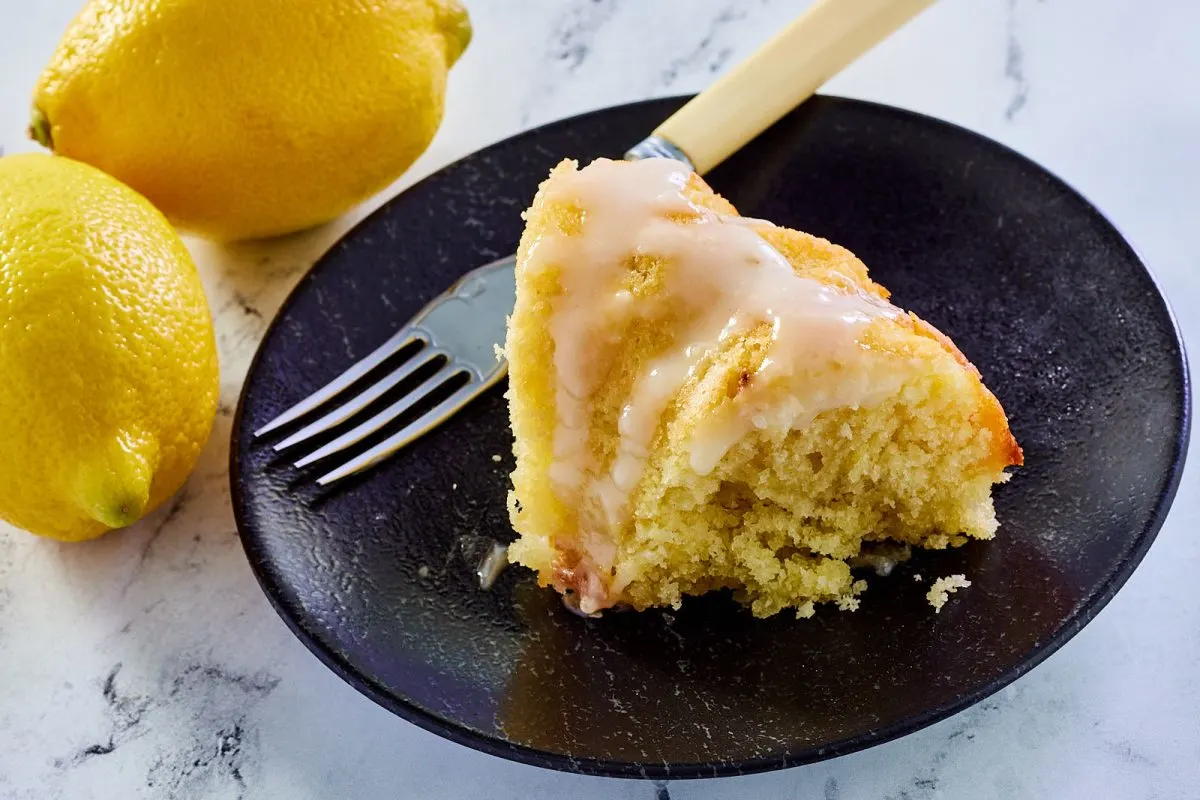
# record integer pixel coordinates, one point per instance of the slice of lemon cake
(702, 401)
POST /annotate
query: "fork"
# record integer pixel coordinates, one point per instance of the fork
(464, 327)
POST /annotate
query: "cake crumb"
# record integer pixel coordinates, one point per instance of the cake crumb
(805, 610)
(847, 603)
(454, 486)
(917, 577)
(497, 459)
(942, 588)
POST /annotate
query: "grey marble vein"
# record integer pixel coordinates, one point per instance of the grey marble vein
(571, 39)
(706, 53)
(176, 507)
(219, 745)
(576, 29)
(124, 712)
(1014, 63)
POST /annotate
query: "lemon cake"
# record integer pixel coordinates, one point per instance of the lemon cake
(705, 401)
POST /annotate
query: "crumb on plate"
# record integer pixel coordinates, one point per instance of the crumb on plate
(942, 588)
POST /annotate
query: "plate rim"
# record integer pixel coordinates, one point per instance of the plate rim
(588, 765)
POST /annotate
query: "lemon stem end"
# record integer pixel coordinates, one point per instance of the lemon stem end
(118, 515)
(39, 129)
(456, 29)
(113, 486)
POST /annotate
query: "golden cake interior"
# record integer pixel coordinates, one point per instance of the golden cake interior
(702, 401)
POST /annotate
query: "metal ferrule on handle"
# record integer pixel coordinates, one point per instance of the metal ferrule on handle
(657, 147)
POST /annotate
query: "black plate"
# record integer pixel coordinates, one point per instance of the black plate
(1034, 285)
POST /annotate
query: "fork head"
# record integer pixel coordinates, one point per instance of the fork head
(461, 328)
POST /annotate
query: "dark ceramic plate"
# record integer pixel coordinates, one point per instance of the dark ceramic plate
(1034, 285)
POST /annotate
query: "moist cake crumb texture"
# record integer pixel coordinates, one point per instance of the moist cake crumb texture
(703, 401)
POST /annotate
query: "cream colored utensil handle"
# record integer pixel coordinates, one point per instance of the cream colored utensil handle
(778, 77)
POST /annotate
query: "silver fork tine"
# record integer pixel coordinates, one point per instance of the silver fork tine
(405, 336)
(402, 437)
(376, 422)
(364, 399)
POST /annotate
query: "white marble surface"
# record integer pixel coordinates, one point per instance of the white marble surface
(149, 664)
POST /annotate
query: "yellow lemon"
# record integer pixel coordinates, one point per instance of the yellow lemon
(108, 365)
(250, 118)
